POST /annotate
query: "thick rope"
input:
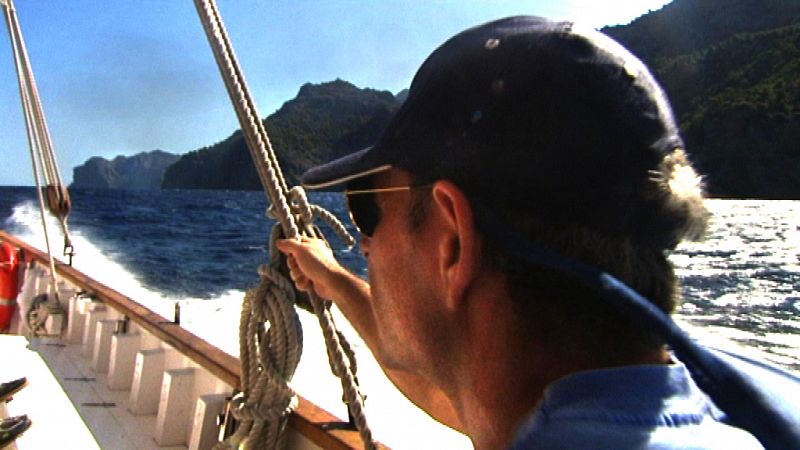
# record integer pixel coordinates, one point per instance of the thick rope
(41, 153)
(339, 353)
(57, 197)
(256, 336)
(307, 212)
(252, 128)
(270, 342)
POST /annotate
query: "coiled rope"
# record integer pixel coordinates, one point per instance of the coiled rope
(45, 166)
(270, 334)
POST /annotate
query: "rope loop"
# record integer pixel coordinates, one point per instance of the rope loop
(280, 284)
(271, 214)
(306, 212)
(270, 345)
(300, 207)
(42, 306)
(336, 225)
(243, 410)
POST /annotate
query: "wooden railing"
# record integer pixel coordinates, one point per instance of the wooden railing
(313, 422)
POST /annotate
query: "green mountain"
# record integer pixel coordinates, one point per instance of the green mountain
(324, 121)
(730, 67)
(732, 71)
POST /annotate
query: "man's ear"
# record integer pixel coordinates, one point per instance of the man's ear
(458, 243)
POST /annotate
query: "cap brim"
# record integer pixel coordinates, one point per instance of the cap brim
(340, 171)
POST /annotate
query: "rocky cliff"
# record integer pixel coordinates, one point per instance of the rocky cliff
(141, 171)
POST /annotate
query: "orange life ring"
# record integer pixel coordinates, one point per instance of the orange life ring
(9, 271)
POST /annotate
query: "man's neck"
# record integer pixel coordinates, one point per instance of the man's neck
(504, 372)
(501, 377)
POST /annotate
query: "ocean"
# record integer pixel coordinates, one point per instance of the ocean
(201, 249)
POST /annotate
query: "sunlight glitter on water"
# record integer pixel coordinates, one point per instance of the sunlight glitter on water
(743, 281)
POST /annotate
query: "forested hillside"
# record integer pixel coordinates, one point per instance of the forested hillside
(324, 121)
(730, 67)
(732, 71)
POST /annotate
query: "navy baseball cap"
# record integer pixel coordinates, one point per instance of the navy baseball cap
(538, 115)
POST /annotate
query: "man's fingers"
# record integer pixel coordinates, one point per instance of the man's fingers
(297, 276)
(291, 262)
(286, 246)
(302, 282)
(309, 261)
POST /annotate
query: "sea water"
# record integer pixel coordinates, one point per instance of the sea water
(201, 249)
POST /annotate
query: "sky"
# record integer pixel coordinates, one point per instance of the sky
(121, 77)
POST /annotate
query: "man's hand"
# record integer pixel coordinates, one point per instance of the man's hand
(312, 265)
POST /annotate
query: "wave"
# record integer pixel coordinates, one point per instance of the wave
(198, 315)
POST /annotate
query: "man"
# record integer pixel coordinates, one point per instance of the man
(526, 150)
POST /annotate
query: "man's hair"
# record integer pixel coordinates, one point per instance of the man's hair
(563, 311)
(557, 306)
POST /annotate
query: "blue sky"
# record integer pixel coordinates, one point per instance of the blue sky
(120, 77)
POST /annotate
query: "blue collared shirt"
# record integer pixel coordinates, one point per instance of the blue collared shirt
(634, 407)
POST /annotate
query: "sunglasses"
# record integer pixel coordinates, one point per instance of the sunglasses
(364, 210)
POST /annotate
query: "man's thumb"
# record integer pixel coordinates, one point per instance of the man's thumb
(286, 246)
